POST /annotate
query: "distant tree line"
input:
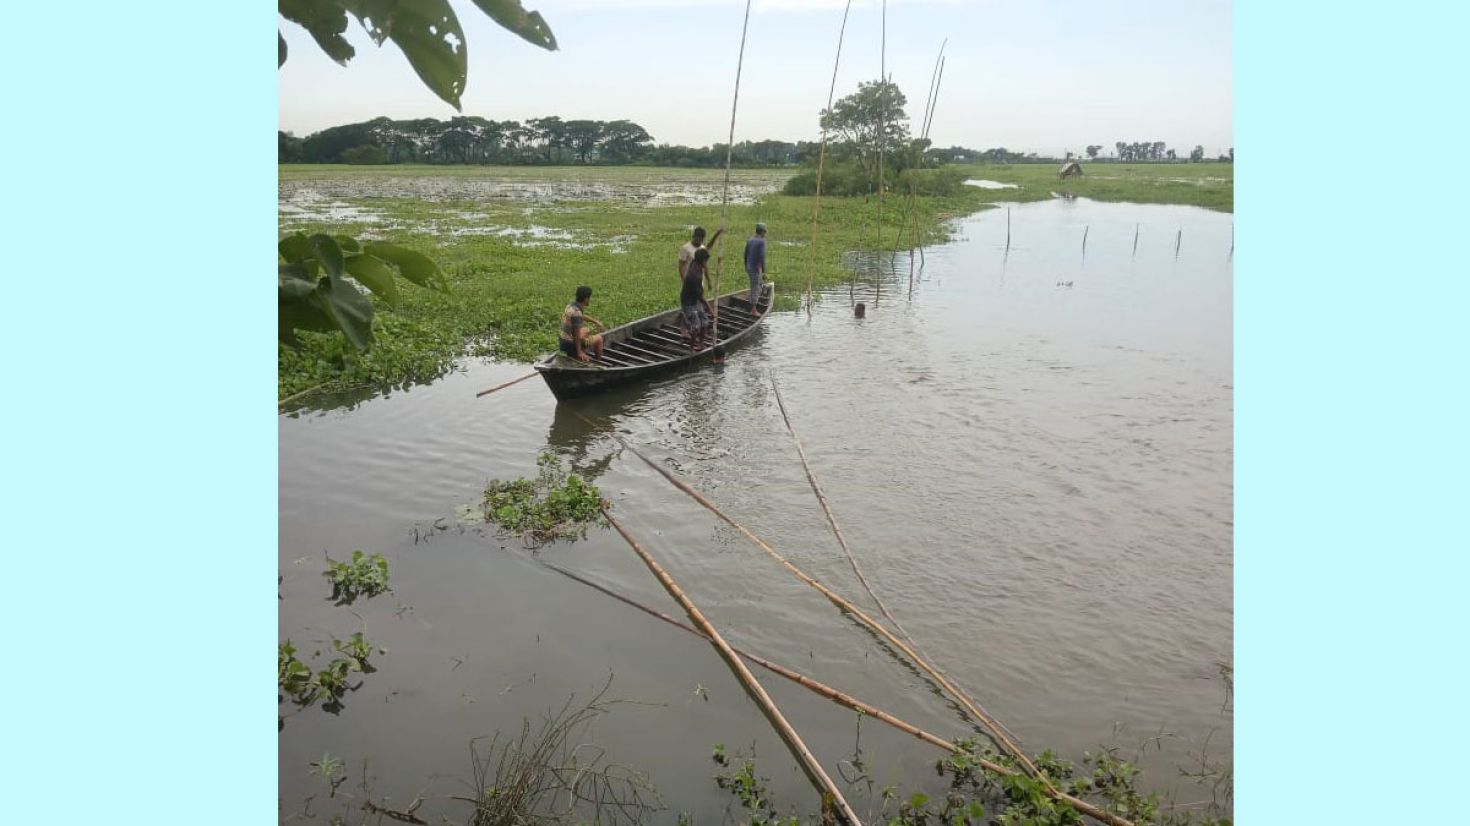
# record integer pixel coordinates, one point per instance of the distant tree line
(549, 140)
(552, 140)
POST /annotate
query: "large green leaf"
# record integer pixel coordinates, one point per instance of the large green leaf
(375, 275)
(352, 310)
(302, 314)
(326, 20)
(295, 282)
(414, 266)
(295, 248)
(282, 61)
(512, 15)
(428, 33)
(329, 253)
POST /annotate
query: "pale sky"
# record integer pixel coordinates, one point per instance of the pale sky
(1044, 76)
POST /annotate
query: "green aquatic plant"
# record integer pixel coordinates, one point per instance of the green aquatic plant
(554, 505)
(296, 681)
(364, 576)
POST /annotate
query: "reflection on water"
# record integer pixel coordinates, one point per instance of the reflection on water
(1037, 480)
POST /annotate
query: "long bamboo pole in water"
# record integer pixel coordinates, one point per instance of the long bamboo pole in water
(838, 696)
(507, 384)
(725, 198)
(992, 727)
(831, 795)
(821, 162)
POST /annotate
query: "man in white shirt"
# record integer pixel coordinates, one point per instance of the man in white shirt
(686, 252)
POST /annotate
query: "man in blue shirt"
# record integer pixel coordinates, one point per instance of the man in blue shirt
(755, 264)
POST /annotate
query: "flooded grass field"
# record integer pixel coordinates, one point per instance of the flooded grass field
(514, 259)
(1030, 453)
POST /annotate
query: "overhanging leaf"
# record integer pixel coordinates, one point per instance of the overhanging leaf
(329, 253)
(428, 33)
(414, 266)
(349, 308)
(375, 275)
(512, 15)
(348, 244)
(302, 314)
(282, 61)
(295, 282)
(295, 248)
(325, 20)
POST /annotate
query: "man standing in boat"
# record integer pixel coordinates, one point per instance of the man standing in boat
(755, 265)
(694, 309)
(574, 340)
(694, 244)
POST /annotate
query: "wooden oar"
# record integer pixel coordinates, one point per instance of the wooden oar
(503, 386)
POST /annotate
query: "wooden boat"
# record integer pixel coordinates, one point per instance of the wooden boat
(638, 350)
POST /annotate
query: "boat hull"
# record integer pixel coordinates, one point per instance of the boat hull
(648, 347)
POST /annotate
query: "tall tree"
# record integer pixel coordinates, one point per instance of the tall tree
(582, 137)
(1196, 154)
(1092, 151)
(870, 117)
(623, 140)
(550, 133)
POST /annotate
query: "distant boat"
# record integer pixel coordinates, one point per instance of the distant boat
(640, 349)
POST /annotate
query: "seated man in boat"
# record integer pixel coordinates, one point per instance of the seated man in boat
(574, 339)
(695, 243)
(695, 311)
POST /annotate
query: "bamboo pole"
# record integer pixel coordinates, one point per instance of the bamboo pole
(827, 510)
(725, 198)
(821, 162)
(1084, 239)
(1008, 230)
(794, 676)
(1177, 239)
(837, 695)
(930, 98)
(882, 115)
(852, 560)
(294, 396)
(507, 384)
(1135, 240)
(992, 727)
(831, 795)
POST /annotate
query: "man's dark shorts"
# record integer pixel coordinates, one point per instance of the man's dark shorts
(568, 347)
(695, 317)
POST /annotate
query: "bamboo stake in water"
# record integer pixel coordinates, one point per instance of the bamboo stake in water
(1231, 256)
(1177, 238)
(1008, 230)
(503, 386)
(991, 726)
(725, 198)
(821, 162)
(1135, 240)
(882, 114)
(837, 696)
(818, 776)
(1086, 230)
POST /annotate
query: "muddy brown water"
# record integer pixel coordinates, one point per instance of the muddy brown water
(1031, 457)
